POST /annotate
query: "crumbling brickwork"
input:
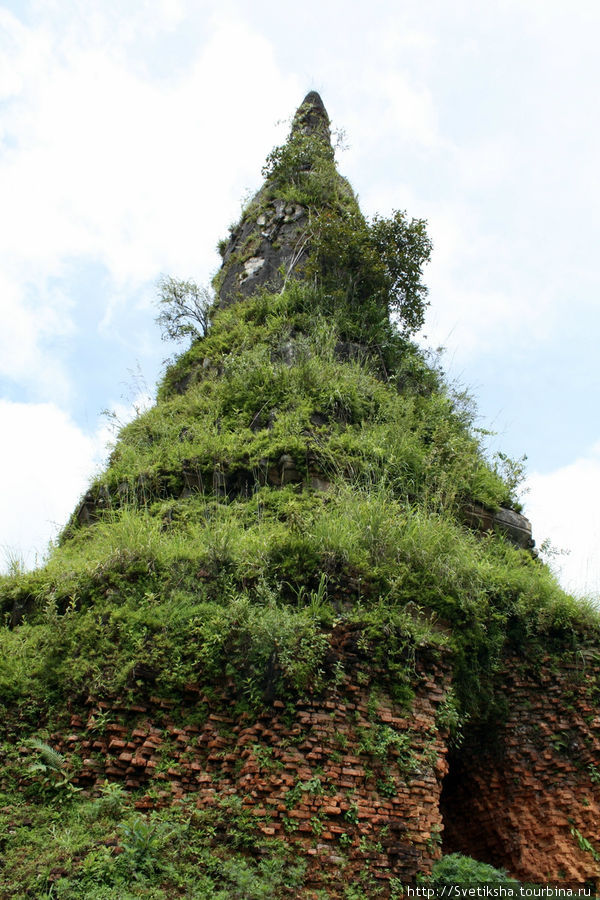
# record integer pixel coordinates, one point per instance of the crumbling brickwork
(351, 778)
(524, 794)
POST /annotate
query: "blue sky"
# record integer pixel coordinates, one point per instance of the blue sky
(130, 133)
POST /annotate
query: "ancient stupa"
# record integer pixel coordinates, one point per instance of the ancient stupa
(296, 636)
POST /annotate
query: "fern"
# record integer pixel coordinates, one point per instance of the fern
(49, 757)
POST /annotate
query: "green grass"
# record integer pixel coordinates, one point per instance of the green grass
(218, 590)
(400, 465)
(184, 578)
(336, 417)
(456, 869)
(89, 850)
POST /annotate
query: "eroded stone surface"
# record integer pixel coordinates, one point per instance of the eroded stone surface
(272, 241)
(264, 250)
(514, 526)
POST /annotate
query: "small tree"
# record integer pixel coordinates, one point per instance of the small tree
(378, 264)
(404, 248)
(184, 309)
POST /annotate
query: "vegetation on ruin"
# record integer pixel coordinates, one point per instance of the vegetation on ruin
(305, 467)
(200, 580)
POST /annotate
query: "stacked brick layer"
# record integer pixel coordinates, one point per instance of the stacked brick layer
(351, 779)
(355, 781)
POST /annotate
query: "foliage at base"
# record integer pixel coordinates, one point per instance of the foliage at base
(456, 869)
(99, 849)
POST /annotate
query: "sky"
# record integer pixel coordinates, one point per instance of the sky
(131, 133)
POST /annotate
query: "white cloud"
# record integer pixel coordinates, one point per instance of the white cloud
(101, 163)
(488, 119)
(32, 313)
(564, 507)
(46, 462)
(478, 305)
(409, 108)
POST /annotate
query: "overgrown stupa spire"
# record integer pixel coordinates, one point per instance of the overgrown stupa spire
(272, 239)
(311, 116)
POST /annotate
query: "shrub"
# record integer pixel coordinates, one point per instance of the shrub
(458, 869)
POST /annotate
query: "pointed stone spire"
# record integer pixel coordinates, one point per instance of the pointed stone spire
(311, 116)
(271, 242)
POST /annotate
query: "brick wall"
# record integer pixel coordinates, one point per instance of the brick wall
(354, 777)
(327, 774)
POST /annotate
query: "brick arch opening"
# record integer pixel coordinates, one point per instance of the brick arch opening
(473, 814)
(515, 819)
(521, 792)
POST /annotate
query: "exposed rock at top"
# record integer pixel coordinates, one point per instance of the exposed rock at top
(272, 240)
(264, 249)
(311, 116)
